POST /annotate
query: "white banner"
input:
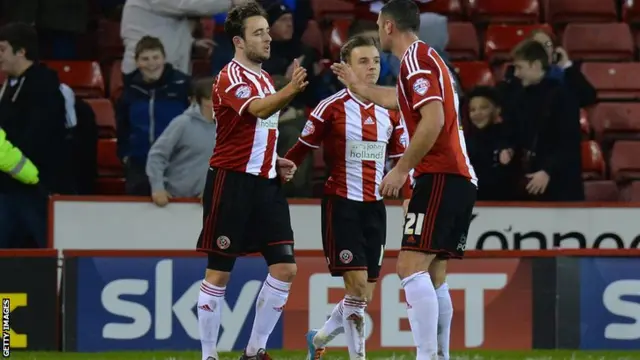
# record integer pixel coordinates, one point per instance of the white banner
(128, 225)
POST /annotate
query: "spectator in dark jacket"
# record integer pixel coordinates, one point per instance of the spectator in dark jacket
(544, 121)
(32, 112)
(563, 69)
(153, 95)
(486, 139)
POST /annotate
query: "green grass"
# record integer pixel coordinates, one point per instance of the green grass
(337, 354)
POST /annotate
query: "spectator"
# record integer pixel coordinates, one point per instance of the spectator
(60, 23)
(33, 117)
(544, 121)
(152, 96)
(171, 22)
(563, 69)
(178, 162)
(485, 138)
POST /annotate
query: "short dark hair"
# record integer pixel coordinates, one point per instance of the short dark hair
(360, 26)
(404, 13)
(149, 43)
(21, 36)
(234, 25)
(201, 88)
(355, 42)
(531, 50)
(487, 92)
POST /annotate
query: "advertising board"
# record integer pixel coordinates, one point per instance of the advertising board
(134, 224)
(29, 297)
(610, 303)
(138, 302)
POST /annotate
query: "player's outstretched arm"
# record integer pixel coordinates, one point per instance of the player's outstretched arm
(267, 106)
(384, 96)
(425, 136)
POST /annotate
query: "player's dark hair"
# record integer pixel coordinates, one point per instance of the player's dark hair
(360, 26)
(355, 42)
(530, 51)
(21, 36)
(235, 23)
(404, 13)
(201, 88)
(148, 43)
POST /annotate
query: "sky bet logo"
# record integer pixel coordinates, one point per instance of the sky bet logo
(11, 340)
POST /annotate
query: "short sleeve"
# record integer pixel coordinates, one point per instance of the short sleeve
(235, 93)
(423, 82)
(399, 139)
(313, 132)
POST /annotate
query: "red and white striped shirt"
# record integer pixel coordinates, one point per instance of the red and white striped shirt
(425, 77)
(244, 142)
(358, 138)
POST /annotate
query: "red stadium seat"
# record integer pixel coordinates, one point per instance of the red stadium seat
(463, 41)
(451, 8)
(339, 35)
(110, 186)
(566, 11)
(593, 166)
(607, 41)
(585, 126)
(616, 121)
(115, 81)
(84, 77)
(200, 68)
(501, 39)
(110, 45)
(631, 11)
(603, 190)
(105, 117)
(474, 73)
(312, 36)
(502, 11)
(625, 162)
(108, 162)
(631, 192)
(614, 81)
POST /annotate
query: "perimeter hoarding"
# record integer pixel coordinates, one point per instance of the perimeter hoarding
(29, 296)
(610, 303)
(136, 303)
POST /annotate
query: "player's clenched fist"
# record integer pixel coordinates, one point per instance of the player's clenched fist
(299, 77)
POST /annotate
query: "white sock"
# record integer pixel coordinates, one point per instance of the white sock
(331, 328)
(271, 300)
(445, 314)
(353, 322)
(422, 308)
(210, 302)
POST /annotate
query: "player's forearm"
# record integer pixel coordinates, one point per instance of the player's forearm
(297, 153)
(422, 141)
(384, 96)
(267, 106)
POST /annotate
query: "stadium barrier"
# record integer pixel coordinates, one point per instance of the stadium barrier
(139, 300)
(130, 280)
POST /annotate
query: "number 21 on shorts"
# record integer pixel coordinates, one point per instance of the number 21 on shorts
(413, 224)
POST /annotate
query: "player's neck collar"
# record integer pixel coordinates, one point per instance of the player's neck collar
(364, 103)
(407, 50)
(258, 74)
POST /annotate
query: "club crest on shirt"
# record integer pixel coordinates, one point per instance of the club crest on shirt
(309, 128)
(243, 92)
(421, 86)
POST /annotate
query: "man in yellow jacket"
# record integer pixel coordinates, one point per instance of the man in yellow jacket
(14, 163)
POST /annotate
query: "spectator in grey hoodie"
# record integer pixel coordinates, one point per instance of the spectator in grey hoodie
(178, 161)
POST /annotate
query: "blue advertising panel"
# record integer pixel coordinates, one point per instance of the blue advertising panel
(610, 303)
(126, 303)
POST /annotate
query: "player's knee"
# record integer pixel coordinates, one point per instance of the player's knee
(216, 277)
(411, 262)
(438, 272)
(283, 272)
(355, 283)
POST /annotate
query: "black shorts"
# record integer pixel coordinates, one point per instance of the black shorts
(439, 215)
(354, 235)
(243, 214)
